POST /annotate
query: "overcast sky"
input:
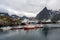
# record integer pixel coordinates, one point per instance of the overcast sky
(28, 7)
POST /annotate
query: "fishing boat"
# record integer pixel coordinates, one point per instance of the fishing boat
(28, 27)
(17, 27)
(5, 28)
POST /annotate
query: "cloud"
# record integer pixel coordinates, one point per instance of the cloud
(28, 7)
(53, 4)
(3, 9)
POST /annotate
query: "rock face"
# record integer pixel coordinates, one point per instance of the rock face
(25, 17)
(44, 14)
(55, 16)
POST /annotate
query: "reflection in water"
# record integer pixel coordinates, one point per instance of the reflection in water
(36, 34)
(45, 31)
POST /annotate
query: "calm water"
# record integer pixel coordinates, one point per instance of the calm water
(36, 34)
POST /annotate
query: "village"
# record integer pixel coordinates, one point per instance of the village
(6, 21)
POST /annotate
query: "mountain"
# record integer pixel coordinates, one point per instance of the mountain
(55, 16)
(44, 14)
(25, 17)
(14, 16)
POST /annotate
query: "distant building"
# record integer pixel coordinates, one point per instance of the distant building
(25, 20)
(14, 17)
(4, 15)
(4, 19)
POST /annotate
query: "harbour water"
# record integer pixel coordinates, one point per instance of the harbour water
(35, 34)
